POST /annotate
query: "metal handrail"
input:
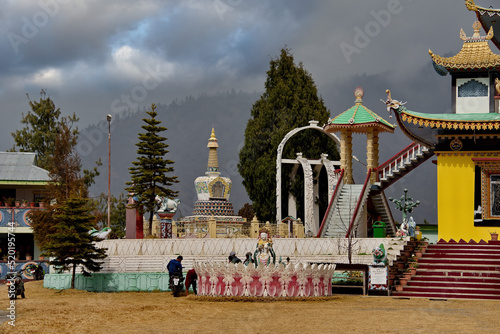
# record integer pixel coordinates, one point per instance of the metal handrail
(339, 185)
(362, 198)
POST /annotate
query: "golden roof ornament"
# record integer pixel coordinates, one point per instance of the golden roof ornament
(476, 37)
(474, 55)
(471, 5)
(212, 141)
(359, 93)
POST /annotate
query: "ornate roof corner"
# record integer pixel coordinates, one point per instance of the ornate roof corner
(489, 17)
(392, 104)
(471, 5)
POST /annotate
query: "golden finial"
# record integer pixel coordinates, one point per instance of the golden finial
(359, 93)
(212, 141)
(477, 28)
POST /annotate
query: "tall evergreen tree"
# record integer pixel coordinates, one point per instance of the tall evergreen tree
(290, 100)
(42, 123)
(149, 173)
(67, 181)
(71, 246)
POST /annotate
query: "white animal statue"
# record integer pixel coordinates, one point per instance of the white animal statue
(102, 234)
(167, 205)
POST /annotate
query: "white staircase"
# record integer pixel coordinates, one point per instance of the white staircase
(402, 163)
(341, 211)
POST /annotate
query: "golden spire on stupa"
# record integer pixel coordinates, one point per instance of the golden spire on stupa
(213, 161)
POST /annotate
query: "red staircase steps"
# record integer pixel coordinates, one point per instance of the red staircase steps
(456, 270)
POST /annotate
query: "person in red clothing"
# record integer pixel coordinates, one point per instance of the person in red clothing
(191, 279)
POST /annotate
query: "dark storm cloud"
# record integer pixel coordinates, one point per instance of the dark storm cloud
(99, 57)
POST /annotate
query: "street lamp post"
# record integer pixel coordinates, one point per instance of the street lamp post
(109, 169)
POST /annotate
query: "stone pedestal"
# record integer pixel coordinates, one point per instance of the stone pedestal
(254, 228)
(166, 224)
(283, 229)
(298, 229)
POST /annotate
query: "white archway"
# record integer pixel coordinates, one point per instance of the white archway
(311, 220)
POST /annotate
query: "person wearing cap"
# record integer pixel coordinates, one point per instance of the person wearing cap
(233, 258)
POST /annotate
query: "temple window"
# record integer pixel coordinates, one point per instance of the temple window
(487, 192)
(495, 195)
(472, 95)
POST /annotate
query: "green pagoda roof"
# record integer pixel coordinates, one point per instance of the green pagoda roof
(424, 127)
(358, 118)
(474, 121)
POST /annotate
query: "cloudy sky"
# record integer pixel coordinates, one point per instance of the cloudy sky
(99, 57)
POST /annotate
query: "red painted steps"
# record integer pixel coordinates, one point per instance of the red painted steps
(456, 285)
(464, 279)
(447, 295)
(456, 270)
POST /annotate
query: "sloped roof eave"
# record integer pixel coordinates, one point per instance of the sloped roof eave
(360, 128)
(487, 121)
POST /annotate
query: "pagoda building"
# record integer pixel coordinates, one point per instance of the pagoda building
(213, 193)
(355, 208)
(358, 119)
(466, 141)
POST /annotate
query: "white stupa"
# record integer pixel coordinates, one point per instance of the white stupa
(213, 190)
(213, 193)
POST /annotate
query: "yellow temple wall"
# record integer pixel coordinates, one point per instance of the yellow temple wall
(455, 193)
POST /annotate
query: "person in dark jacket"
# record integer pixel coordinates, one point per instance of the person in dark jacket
(248, 259)
(174, 268)
(233, 258)
(191, 279)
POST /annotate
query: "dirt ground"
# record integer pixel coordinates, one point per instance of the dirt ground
(54, 311)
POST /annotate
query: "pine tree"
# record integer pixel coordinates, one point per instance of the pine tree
(149, 173)
(41, 126)
(64, 168)
(290, 100)
(71, 246)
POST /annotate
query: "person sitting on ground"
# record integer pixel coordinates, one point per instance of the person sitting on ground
(248, 259)
(233, 258)
(191, 279)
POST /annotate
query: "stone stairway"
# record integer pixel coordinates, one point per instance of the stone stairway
(340, 216)
(381, 206)
(402, 163)
(456, 270)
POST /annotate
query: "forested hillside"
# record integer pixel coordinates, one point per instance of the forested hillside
(189, 123)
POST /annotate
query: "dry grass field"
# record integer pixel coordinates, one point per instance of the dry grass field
(53, 311)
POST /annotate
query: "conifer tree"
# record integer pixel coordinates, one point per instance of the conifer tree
(149, 173)
(71, 246)
(290, 100)
(42, 123)
(67, 181)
